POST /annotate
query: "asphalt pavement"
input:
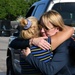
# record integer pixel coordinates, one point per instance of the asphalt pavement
(3, 52)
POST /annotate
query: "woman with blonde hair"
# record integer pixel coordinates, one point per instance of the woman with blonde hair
(51, 22)
(30, 28)
(58, 45)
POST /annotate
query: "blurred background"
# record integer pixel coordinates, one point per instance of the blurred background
(9, 11)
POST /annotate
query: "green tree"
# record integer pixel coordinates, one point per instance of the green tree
(2, 9)
(11, 9)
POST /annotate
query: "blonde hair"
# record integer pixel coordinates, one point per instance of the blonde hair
(54, 18)
(32, 31)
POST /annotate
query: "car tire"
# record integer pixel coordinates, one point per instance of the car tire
(10, 70)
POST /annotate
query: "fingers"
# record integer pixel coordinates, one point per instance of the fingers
(26, 51)
(44, 45)
(45, 37)
(23, 51)
(41, 42)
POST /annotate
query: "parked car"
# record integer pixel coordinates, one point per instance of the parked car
(5, 28)
(65, 7)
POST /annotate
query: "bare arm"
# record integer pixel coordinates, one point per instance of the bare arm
(40, 42)
(61, 36)
(56, 39)
(54, 66)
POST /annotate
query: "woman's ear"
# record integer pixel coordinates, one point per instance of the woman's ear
(57, 29)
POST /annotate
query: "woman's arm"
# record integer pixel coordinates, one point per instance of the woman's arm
(20, 43)
(61, 36)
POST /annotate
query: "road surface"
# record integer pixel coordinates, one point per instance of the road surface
(3, 51)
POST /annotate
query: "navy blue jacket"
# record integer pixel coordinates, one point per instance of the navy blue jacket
(42, 55)
(58, 64)
(56, 67)
(19, 43)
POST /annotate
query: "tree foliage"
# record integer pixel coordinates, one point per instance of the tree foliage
(11, 9)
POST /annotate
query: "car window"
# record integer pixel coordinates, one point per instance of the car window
(67, 10)
(5, 25)
(36, 11)
(30, 11)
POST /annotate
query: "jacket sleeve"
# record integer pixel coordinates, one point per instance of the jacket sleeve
(19, 43)
(72, 51)
(58, 62)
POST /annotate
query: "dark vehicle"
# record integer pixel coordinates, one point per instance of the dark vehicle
(5, 28)
(65, 7)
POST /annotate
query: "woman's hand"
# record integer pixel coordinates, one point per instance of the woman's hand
(41, 42)
(26, 51)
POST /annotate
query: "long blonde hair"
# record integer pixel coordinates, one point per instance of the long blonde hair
(32, 31)
(54, 18)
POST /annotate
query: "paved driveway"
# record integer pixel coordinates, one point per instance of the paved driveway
(3, 51)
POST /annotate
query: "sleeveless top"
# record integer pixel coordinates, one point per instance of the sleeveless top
(42, 55)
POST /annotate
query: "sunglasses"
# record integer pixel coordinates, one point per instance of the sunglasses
(43, 26)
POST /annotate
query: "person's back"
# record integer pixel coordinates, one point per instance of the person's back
(31, 30)
(71, 63)
(59, 65)
(40, 54)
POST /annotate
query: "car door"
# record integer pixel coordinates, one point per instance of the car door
(38, 8)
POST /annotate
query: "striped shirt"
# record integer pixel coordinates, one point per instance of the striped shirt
(42, 55)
